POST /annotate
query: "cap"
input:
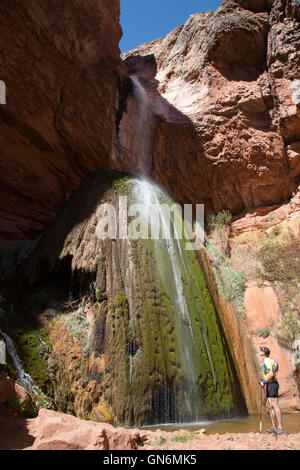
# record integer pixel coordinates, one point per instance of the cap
(265, 350)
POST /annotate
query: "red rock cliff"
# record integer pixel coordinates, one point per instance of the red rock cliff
(223, 88)
(60, 62)
(226, 99)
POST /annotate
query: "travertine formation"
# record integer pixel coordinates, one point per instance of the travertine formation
(151, 354)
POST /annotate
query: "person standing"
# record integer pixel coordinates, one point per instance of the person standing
(272, 387)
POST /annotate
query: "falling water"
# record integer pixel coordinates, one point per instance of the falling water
(142, 130)
(24, 378)
(150, 196)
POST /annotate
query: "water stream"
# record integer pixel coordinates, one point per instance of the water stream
(23, 377)
(198, 379)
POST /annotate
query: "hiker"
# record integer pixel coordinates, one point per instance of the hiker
(270, 368)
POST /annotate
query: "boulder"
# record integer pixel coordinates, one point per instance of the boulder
(10, 389)
(57, 431)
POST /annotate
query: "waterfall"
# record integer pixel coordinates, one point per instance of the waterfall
(194, 376)
(149, 194)
(134, 136)
(152, 198)
(24, 378)
(141, 137)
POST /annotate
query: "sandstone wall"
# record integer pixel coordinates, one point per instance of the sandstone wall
(61, 64)
(224, 89)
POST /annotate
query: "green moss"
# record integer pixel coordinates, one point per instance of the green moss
(170, 361)
(32, 350)
(27, 410)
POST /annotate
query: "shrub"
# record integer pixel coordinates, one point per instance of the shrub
(45, 404)
(184, 437)
(230, 282)
(271, 217)
(220, 221)
(219, 228)
(17, 404)
(289, 329)
(280, 262)
(264, 333)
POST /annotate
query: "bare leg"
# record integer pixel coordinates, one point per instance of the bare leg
(272, 412)
(277, 412)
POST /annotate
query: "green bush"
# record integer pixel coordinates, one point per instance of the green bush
(219, 221)
(289, 329)
(231, 286)
(17, 404)
(45, 404)
(230, 282)
(279, 261)
(264, 333)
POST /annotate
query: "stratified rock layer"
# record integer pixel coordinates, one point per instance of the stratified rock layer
(61, 63)
(224, 90)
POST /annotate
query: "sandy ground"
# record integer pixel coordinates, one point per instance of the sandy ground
(200, 441)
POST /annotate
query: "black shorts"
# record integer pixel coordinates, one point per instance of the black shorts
(272, 390)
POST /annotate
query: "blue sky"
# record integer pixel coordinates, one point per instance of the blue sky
(146, 20)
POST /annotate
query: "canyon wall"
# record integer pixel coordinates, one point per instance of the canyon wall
(223, 92)
(61, 65)
(224, 88)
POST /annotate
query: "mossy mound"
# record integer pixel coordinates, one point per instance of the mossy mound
(166, 359)
(33, 347)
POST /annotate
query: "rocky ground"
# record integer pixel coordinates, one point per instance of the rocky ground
(57, 431)
(199, 440)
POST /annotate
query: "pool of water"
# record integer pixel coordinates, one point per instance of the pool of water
(291, 422)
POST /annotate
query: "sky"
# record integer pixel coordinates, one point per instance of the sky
(145, 20)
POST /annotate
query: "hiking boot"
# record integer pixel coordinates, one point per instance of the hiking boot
(272, 431)
(281, 431)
